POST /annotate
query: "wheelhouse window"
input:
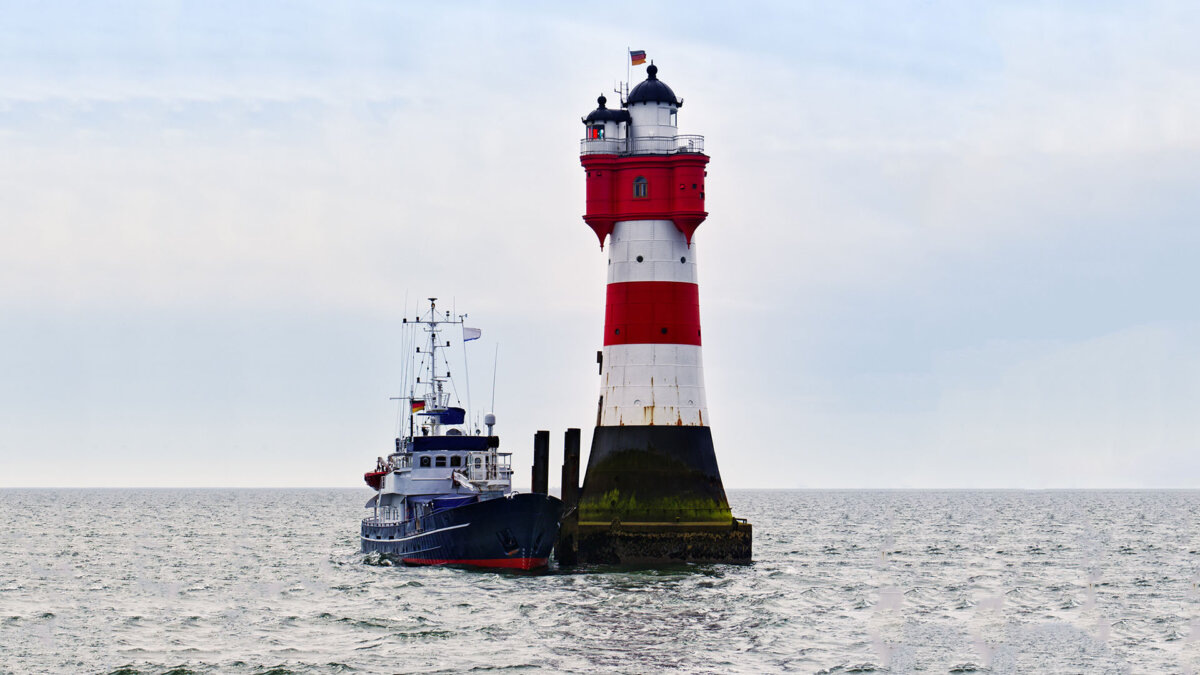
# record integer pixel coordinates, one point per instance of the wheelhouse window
(456, 461)
(425, 462)
(640, 186)
(440, 461)
(596, 132)
(478, 462)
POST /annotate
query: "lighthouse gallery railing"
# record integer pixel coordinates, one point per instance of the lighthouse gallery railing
(643, 145)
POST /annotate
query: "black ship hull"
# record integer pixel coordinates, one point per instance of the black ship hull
(516, 532)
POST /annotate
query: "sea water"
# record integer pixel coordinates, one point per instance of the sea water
(257, 581)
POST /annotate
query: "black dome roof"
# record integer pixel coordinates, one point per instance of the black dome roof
(603, 114)
(653, 90)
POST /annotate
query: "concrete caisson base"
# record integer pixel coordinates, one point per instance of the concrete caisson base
(657, 543)
(653, 494)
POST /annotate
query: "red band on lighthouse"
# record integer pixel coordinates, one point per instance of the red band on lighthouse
(652, 312)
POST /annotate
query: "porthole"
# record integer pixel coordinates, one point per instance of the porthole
(683, 260)
(616, 331)
(640, 258)
(664, 331)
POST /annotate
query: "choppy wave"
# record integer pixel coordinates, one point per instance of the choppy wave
(245, 581)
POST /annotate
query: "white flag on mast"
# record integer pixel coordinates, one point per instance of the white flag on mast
(471, 334)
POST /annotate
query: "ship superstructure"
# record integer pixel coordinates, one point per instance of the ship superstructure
(444, 496)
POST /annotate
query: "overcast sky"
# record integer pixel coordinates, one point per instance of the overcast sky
(949, 244)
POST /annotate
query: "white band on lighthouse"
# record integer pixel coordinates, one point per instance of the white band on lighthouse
(663, 252)
(652, 383)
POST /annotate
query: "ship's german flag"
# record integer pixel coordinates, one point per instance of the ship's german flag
(637, 58)
(418, 406)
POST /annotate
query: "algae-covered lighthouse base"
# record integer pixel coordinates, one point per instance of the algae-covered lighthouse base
(653, 494)
(652, 491)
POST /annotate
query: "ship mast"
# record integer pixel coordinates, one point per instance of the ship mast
(436, 396)
(435, 382)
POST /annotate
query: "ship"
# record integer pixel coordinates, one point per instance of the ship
(444, 496)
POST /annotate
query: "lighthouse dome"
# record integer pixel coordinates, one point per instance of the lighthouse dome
(604, 114)
(653, 90)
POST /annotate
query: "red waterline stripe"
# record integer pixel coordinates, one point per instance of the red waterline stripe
(652, 312)
(512, 563)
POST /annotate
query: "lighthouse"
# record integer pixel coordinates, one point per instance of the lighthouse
(652, 490)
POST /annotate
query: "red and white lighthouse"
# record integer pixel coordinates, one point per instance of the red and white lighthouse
(652, 468)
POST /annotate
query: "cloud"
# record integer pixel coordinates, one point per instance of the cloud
(922, 219)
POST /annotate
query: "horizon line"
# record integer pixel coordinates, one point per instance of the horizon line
(557, 488)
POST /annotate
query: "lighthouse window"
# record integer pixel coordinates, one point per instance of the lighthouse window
(674, 118)
(456, 461)
(639, 187)
(440, 461)
(596, 132)
(425, 461)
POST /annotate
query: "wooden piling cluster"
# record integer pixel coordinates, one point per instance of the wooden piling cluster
(567, 547)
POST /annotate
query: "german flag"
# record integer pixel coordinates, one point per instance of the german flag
(418, 406)
(637, 58)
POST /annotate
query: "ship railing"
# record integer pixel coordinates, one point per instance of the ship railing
(378, 522)
(643, 145)
(387, 515)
